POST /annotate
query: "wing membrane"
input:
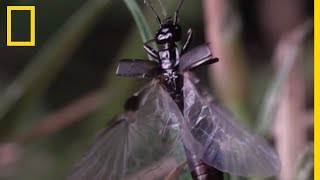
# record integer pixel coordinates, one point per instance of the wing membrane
(137, 145)
(225, 143)
(198, 56)
(137, 68)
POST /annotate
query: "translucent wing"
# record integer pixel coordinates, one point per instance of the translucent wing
(141, 143)
(225, 143)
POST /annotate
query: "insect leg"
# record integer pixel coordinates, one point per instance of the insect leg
(150, 50)
(187, 44)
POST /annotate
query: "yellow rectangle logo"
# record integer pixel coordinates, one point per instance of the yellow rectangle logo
(32, 41)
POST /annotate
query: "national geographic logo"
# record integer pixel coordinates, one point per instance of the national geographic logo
(32, 39)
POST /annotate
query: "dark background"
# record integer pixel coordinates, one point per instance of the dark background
(89, 67)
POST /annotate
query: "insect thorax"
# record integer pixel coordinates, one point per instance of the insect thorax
(169, 62)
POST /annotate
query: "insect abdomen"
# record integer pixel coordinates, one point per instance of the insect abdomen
(201, 171)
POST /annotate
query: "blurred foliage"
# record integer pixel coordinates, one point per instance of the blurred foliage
(78, 44)
(306, 164)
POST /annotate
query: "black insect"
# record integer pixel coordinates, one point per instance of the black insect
(171, 120)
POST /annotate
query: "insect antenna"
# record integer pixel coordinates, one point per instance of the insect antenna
(176, 13)
(154, 12)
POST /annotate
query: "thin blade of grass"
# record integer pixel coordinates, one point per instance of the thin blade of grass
(270, 102)
(305, 166)
(140, 20)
